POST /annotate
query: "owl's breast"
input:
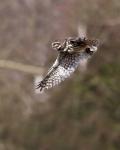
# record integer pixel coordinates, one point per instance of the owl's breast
(70, 61)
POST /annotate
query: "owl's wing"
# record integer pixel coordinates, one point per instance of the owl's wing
(61, 69)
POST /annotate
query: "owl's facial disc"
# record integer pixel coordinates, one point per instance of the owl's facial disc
(81, 45)
(77, 43)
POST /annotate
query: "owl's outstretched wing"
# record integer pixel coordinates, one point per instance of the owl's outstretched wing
(63, 67)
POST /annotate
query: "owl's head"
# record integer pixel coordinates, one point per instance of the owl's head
(83, 45)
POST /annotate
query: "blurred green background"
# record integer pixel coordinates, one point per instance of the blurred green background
(83, 113)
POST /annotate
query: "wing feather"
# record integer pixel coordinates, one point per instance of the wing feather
(63, 67)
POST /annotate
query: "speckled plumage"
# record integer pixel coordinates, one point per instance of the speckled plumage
(69, 57)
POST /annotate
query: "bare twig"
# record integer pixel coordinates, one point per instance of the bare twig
(7, 64)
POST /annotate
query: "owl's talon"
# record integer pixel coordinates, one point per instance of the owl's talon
(56, 45)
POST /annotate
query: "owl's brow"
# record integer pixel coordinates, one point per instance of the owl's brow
(81, 42)
(94, 42)
(78, 41)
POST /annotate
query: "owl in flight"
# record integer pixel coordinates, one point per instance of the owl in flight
(70, 54)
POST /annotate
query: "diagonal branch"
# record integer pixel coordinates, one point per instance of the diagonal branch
(7, 64)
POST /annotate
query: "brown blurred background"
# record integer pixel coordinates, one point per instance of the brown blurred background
(83, 113)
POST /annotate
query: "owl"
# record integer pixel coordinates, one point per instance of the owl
(71, 53)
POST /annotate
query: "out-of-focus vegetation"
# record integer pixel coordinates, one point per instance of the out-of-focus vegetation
(83, 112)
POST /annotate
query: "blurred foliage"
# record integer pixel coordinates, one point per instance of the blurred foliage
(84, 111)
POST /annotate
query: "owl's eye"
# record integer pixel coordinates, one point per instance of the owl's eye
(88, 50)
(74, 43)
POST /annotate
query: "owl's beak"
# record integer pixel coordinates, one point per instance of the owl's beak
(94, 48)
